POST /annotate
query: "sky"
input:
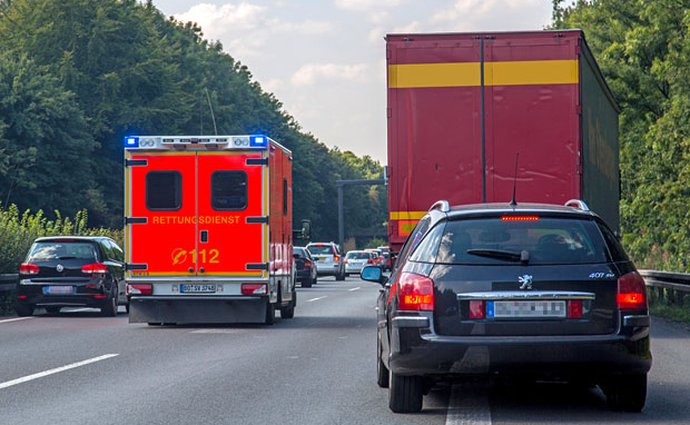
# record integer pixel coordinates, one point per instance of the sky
(325, 59)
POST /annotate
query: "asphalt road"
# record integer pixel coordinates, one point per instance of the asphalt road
(318, 368)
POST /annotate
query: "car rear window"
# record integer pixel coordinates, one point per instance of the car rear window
(229, 190)
(42, 251)
(358, 255)
(547, 240)
(320, 250)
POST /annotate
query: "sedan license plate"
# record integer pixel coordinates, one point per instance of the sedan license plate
(194, 288)
(58, 290)
(525, 309)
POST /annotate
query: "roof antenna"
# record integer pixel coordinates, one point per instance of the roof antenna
(213, 117)
(513, 203)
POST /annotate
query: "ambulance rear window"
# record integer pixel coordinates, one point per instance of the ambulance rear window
(163, 190)
(229, 190)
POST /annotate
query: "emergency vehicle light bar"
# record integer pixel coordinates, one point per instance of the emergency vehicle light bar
(255, 141)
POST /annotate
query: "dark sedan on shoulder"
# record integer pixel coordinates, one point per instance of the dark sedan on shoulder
(539, 291)
(71, 271)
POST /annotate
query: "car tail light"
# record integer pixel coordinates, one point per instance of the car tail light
(139, 289)
(100, 296)
(336, 258)
(415, 292)
(254, 289)
(22, 297)
(307, 263)
(345, 261)
(520, 218)
(575, 310)
(370, 261)
(94, 268)
(477, 309)
(632, 292)
(28, 268)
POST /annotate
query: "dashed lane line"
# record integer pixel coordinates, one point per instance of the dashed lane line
(16, 319)
(316, 299)
(357, 288)
(54, 371)
(468, 408)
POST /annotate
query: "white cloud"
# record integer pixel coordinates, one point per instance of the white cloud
(366, 5)
(492, 15)
(309, 74)
(245, 28)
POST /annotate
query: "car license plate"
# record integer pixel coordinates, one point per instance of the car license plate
(58, 290)
(525, 309)
(193, 288)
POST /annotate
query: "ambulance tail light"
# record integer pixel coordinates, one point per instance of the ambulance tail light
(254, 289)
(94, 268)
(139, 289)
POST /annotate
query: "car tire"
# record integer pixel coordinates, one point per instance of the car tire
(109, 309)
(382, 373)
(289, 311)
(24, 310)
(340, 276)
(154, 324)
(270, 317)
(127, 308)
(306, 283)
(405, 393)
(53, 310)
(626, 393)
(314, 281)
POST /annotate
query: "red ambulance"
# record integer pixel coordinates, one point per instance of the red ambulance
(208, 229)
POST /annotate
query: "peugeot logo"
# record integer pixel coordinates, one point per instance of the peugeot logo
(60, 268)
(525, 282)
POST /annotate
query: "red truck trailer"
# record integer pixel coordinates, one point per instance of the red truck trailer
(208, 229)
(462, 106)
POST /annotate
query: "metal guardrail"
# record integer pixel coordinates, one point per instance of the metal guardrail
(8, 281)
(670, 287)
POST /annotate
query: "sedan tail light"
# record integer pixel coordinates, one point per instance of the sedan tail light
(632, 292)
(415, 292)
(94, 268)
(28, 268)
(139, 289)
(307, 263)
(370, 261)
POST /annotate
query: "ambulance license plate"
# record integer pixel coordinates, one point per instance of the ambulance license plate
(193, 288)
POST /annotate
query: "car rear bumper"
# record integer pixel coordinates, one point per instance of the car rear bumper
(416, 350)
(198, 309)
(82, 297)
(328, 269)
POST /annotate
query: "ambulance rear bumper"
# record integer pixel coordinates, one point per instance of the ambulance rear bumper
(198, 309)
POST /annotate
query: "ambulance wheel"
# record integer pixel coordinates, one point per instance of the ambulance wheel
(289, 311)
(270, 313)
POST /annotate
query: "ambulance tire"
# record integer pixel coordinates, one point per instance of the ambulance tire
(270, 313)
(289, 311)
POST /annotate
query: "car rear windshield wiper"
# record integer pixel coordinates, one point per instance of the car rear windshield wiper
(499, 254)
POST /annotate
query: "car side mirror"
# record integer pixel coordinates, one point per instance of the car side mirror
(373, 274)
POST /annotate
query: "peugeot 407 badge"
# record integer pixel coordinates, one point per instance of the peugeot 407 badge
(525, 282)
(60, 268)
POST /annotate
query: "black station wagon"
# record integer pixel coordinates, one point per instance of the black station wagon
(71, 271)
(539, 291)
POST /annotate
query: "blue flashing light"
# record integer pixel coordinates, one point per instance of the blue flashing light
(258, 141)
(131, 142)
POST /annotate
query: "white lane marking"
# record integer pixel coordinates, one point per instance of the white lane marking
(216, 331)
(316, 299)
(354, 289)
(54, 371)
(16, 319)
(468, 408)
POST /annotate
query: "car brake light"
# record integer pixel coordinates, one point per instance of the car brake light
(477, 309)
(632, 292)
(94, 268)
(28, 268)
(415, 292)
(370, 261)
(139, 289)
(336, 258)
(254, 289)
(575, 310)
(345, 261)
(520, 218)
(307, 263)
